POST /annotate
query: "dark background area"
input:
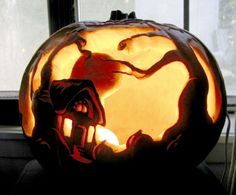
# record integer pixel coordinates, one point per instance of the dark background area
(17, 162)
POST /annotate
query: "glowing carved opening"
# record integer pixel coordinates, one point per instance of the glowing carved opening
(63, 62)
(90, 134)
(213, 96)
(103, 134)
(28, 120)
(149, 104)
(139, 73)
(67, 127)
(37, 75)
(142, 51)
(136, 103)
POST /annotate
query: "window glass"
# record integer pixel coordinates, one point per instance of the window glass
(24, 26)
(163, 11)
(100, 10)
(214, 22)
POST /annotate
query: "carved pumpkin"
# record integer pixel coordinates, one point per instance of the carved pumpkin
(122, 91)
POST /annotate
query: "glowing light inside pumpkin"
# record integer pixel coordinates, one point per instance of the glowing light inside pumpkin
(90, 135)
(214, 95)
(63, 62)
(37, 75)
(67, 127)
(143, 51)
(141, 109)
(28, 120)
(103, 134)
(135, 109)
(151, 104)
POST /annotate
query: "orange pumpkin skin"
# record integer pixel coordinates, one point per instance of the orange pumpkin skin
(89, 73)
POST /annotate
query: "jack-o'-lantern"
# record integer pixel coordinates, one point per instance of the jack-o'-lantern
(122, 91)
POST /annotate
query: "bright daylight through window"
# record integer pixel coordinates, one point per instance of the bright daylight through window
(24, 26)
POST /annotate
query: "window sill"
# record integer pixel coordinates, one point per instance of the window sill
(15, 134)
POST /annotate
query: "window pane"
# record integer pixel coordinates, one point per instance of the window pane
(100, 10)
(214, 22)
(163, 11)
(24, 26)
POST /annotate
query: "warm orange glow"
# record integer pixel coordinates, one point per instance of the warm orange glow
(138, 73)
(28, 120)
(149, 104)
(63, 62)
(121, 93)
(67, 127)
(213, 96)
(126, 114)
(159, 137)
(143, 51)
(90, 134)
(104, 134)
(109, 38)
(40, 65)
